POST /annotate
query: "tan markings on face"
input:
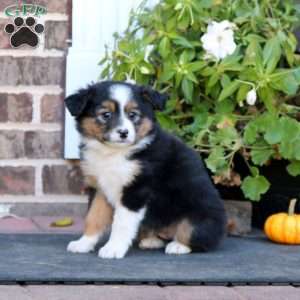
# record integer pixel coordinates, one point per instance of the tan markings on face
(91, 128)
(184, 232)
(144, 128)
(98, 217)
(131, 105)
(109, 105)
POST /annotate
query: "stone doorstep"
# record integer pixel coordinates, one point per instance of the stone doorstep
(42, 214)
(239, 215)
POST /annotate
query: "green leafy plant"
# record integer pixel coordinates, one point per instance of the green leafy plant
(222, 105)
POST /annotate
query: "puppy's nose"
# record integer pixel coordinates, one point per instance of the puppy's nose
(123, 133)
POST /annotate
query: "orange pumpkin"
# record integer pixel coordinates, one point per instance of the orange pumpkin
(284, 227)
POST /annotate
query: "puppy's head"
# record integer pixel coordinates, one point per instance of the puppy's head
(115, 113)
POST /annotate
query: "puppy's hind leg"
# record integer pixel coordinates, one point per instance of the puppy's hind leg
(199, 233)
(182, 238)
(150, 241)
(99, 217)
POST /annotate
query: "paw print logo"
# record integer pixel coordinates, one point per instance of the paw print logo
(24, 32)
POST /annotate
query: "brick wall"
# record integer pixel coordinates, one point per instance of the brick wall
(32, 168)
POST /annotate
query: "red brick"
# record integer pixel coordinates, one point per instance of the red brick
(18, 107)
(5, 3)
(51, 108)
(56, 34)
(17, 180)
(12, 144)
(55, 6)
(61, 179)
(39, 144)
(4, 37)
(32, 70)
(3, 108)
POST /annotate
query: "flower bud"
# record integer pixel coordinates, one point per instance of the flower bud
(251, 97)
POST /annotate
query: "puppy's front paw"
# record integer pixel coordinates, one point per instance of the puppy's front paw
(175, 247)
(109, 250)
(83, 245)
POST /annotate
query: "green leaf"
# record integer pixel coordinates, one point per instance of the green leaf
(250, 133)
(229, 90)
(254, 55)
(254, 171)
(146, 68)
(181, 41)
(208, 71)
(167, 73)
(296, 73)
(294, 168)
(261, 156)
(187, 89)
(184, 21)
(164, 47)
(166, 121)
(242, 92)
(271, 54)
(186, 56)
(191, 76)
(225, 107)
(196, 66)
(216, 159)
(285, 81)
(227, 137)
(266, 95)
(290, 145)
(212, 81)
(274, 131)
(225, 80)
(254, 187)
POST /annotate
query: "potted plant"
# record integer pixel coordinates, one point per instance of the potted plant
(232, 73)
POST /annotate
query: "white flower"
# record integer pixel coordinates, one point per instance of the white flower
(251, 97)
(129, 79)
(148, 51)
(218, 41)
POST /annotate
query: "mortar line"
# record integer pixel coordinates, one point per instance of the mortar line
(43, 89)
(36, 106)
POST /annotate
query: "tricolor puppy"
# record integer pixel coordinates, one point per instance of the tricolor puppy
(144, 182)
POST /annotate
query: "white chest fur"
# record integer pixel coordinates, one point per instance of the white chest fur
(111, 168)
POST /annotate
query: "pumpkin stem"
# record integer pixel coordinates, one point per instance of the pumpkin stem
(292, 205)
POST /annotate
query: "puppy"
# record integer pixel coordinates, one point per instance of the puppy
(143, 181)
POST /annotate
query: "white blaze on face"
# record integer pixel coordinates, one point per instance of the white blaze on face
(122, 94)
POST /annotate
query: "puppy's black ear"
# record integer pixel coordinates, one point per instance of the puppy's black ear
(158, 100)
(76, 103)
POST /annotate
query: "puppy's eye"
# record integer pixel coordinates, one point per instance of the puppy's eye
(133, 116)
(106, 115)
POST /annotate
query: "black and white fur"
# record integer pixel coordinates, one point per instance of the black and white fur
(151, 179)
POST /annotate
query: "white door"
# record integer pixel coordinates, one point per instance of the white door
(93, 24)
